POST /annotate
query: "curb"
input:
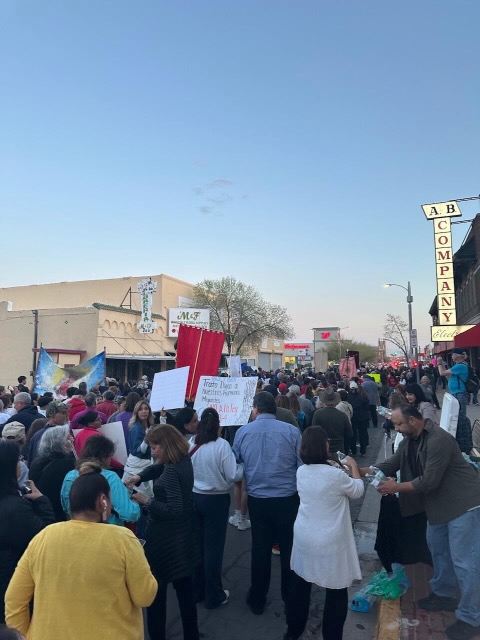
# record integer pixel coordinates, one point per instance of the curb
(388, 623)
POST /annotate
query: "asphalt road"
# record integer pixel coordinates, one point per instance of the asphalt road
(235, 621)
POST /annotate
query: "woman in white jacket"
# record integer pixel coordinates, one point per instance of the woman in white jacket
(215, 470)
(324, 551)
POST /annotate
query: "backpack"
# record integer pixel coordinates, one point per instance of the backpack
(472, 382)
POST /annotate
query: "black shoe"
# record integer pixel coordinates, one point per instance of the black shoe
(461, 630)
(290, 636)
(437, 603)
(255, 608)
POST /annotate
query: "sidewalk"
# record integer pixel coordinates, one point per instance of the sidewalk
(401, 618)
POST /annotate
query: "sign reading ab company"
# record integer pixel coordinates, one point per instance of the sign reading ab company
(440, 213)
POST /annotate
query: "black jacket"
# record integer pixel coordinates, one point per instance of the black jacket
(25, 416)
(360, 406)
(20, 521)
(170, 537)
(48, 474)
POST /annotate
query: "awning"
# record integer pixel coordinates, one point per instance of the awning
(470, 338)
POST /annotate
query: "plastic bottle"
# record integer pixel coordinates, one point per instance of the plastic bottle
(341, 456)
(378, 477)
(362, 601)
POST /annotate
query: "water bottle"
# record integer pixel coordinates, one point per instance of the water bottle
(341, 456)
(378, 477)
(362, 601)
(384, 412)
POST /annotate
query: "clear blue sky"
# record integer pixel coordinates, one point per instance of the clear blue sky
(289, 144)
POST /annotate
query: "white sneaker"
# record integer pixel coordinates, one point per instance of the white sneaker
(227, 596)
(244, 524)
(234, 520)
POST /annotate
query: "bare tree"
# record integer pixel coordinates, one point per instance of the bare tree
(396, 332)
(241, 313)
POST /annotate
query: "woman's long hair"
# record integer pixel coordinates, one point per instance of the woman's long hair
(208, 426)
(314, 448)
(134, 419)
(98, 448)
(183, 417)
(86, 489)
(417, 391)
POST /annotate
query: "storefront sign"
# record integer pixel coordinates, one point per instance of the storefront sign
(146, 287)
(326, 334)
(440, 213)
(447, 334)
(199, 318)
(296, 345)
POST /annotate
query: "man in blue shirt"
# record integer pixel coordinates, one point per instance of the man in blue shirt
(457, 377)
(269, 450)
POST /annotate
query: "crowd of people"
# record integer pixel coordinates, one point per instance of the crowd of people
(162, 517)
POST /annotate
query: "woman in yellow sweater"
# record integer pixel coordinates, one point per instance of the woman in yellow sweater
(87, 579)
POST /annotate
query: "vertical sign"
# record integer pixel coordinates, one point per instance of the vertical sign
(440, 213)
(146, 287)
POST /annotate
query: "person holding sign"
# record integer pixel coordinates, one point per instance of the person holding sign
(215, 470)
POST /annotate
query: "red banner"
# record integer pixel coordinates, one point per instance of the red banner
(201, 350)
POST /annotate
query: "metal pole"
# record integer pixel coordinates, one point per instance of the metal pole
(410, 327)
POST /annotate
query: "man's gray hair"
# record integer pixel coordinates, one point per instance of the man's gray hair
(90, 399)
(54, 442)
(24, 397)
(55, 407)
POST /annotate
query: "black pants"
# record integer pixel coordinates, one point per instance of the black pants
(360, 428)
(272, 523)
(211, 512)
(373, 414)
(298, 605)
(157, 611)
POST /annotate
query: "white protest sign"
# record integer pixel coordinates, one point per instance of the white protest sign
(231, 397)
(234, 366)
(114, 432)
(169, 389)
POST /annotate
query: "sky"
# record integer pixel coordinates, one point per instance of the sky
(290, 144)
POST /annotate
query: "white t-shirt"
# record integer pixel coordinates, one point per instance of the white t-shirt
(214, 467)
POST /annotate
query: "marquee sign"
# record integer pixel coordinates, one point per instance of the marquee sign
(440, 213)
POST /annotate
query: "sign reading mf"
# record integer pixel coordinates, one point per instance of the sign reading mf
(440, 213)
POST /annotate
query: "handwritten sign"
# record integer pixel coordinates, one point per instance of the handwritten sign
(231, 397)
(169, 389)
(114, 432)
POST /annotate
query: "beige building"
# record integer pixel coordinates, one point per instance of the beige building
(74, 321)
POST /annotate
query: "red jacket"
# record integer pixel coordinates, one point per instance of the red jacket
(75, 405)
(107, 407)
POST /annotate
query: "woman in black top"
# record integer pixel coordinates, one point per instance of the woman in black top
(170, 540)
(21, 518)
(55, 459)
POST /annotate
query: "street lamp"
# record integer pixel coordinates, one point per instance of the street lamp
(408, 289)
(340, 343)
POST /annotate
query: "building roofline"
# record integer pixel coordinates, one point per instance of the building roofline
(110, 307)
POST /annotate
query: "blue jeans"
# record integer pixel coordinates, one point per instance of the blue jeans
(464, 427)
(455, 549)
(211, 512)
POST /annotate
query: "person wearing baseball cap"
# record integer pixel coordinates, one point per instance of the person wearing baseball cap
(457, 377)
(15, 432)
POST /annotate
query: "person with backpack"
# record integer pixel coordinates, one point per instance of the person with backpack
(461, 380)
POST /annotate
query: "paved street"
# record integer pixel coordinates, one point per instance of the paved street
(235, 621)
